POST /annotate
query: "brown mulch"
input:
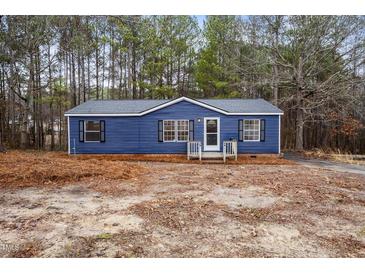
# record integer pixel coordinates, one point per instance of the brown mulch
(345, 246)
(25, 169)
(177, 158)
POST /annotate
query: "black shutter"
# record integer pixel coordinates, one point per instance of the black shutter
(160, 130)
(81, 130)
(191, 130)
(262, 130)
(240, 130)
(102, 131)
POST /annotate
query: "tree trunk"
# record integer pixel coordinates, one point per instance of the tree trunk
(103, 74)
(300, 112)
(97, 66)
(50, 79)
(73, 82)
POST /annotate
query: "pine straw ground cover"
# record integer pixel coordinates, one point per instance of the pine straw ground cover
(27, 169)
(175, 158)
(180, 210)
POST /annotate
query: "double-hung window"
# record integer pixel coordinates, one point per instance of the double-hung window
(175, 130)
(92, 131)
(251, 130)
(169, 131)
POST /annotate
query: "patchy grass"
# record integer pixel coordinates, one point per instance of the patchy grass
(361, 233)
(104, 236)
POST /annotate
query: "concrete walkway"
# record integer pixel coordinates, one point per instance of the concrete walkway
(342, 167)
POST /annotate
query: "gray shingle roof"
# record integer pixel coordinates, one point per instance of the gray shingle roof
(115, 106)
(139, 106)
(242, 105)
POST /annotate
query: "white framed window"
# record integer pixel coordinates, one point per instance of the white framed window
(251, 130)
(175, 130)
(92, 131)
(182, 130)
(169, 131)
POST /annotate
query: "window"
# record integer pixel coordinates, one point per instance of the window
(169, 131)
(175, 130)
(182, 130)
(251, 130)
(92, 131)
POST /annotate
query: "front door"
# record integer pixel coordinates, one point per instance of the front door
(211, 134)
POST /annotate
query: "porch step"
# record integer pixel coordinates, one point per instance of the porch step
(212, 155)
(194, 150)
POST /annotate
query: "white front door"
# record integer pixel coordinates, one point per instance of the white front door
(211, 134)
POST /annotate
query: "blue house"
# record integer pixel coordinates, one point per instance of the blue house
(174, 126)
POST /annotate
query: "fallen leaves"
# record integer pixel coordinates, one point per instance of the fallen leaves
(25, 169)
(176, 213)
(181, 158)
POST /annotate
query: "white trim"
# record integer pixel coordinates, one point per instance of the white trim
(68, 136)
(169, 104)
(259, 139)
(279, 134)
(218, 146)
(176, 140)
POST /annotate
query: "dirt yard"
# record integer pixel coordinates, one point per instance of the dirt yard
(53, 205)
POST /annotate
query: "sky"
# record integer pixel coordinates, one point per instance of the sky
(201, 19)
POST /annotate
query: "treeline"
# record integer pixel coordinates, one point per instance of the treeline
(312, 67)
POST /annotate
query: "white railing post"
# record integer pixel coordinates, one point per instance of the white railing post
(229, 150)
(224, 151)
(188, 149)
(194, 150)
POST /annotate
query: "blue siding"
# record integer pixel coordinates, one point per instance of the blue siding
(139, 134)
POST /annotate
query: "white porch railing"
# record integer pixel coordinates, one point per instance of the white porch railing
(229, 150)
(194, 150)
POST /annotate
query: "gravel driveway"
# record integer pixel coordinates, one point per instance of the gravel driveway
(342, 167)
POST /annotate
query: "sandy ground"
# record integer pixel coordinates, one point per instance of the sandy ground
(190, 210)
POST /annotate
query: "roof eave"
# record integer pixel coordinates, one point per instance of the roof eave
(138, 114)
(172, 102)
